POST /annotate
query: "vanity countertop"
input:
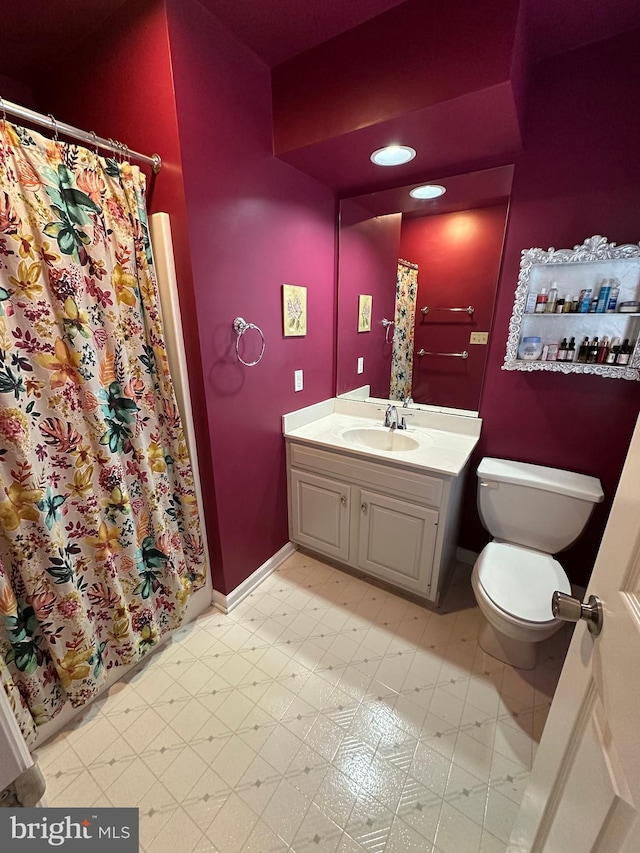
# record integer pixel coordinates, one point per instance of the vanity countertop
(439, 449)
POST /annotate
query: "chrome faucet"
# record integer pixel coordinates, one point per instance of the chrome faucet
(407, 402)
(392, 420)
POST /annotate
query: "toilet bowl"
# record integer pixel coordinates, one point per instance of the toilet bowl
(533, 512)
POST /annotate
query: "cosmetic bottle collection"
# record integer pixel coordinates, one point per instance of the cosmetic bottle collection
(593, 350)
(605, 302)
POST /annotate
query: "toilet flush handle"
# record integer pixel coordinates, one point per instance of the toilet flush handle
(571, 609)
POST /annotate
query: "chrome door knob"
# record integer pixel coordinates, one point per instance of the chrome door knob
(571, 609)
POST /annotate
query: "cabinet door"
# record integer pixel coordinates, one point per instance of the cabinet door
(320, 514)
(396, 541)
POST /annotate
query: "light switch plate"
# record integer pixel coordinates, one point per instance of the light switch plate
(297, 380)
(479, 337)
(361, 365)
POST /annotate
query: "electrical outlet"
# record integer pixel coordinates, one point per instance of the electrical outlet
(361, 365)
(297, 380)
(479, 337)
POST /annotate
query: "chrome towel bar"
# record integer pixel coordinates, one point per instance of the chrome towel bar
(463, 354)
(468, 310)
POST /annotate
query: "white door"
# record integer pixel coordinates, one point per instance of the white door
(396, 540)
(584, 792)
(320, 514)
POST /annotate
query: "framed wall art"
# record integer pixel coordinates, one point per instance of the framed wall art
(364, 312)
(294, 310)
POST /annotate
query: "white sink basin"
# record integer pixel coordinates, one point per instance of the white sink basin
(380, 438)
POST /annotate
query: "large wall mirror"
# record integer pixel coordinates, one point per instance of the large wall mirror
(428, 271)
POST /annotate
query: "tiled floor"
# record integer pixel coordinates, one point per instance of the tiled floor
(323, 714)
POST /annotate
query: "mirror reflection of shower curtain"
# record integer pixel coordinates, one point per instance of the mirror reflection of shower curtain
(404, 321)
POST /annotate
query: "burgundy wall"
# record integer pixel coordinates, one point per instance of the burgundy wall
(368, 264)
(449, 82)
(18, 91)
(579, 176)
(126, 91)
(364, 76)
(458, 257)
(254, 224)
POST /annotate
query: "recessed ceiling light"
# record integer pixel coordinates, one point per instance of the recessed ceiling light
(428, 191)
(393, 155)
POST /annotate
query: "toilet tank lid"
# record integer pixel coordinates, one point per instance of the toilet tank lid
(561, 482)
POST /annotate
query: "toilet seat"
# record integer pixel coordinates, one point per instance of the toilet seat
(520, 581)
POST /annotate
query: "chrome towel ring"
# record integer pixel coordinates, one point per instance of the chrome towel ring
(389, 326)
(240, 326)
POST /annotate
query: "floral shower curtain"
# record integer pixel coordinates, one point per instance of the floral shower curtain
(100, 545)
(404, 322)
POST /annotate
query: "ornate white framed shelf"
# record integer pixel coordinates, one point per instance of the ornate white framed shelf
(573, 270)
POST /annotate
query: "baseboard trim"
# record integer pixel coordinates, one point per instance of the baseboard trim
(226, 603)
(463, 555)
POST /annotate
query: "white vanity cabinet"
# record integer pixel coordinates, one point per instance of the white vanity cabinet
(320, 518)
(390, 521)
(396, 540)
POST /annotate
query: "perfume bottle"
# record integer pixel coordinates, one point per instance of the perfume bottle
(541, 302)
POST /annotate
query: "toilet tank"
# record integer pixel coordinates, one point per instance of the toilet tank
(531, 505)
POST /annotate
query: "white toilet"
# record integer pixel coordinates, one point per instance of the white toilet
(532, 512)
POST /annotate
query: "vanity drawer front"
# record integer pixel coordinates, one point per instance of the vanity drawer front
(378, 475)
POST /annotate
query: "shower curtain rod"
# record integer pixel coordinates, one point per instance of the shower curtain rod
(408, 264)
(24, 113)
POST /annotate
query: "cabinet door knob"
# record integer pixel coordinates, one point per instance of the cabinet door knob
(343, 500)
(363, 507)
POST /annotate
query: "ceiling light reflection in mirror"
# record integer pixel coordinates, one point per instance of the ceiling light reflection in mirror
(455, 240)
(428, 191)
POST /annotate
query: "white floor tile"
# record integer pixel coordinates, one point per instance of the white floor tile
(405, 839)
(131, 785)
(183, 773)
(316, 833)
(281, 747)
(323, 714)
(146, 727)
(285, 811)
(473, 756)
(513, 744)
(232, 825)
(430, 769)
(456, 832)
(370, 824)
(179, 833)
(232, 761)
(258, 784)
(501, 814)
(264, 840)
(83, 790)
